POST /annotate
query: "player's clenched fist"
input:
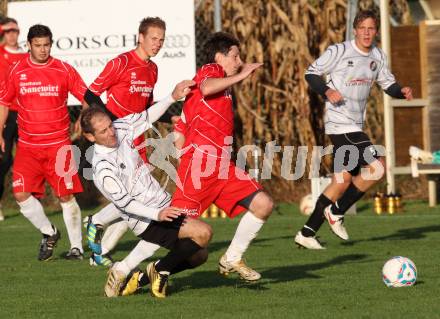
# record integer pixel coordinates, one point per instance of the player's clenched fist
(182, 89)
(334, 96)
(407, 93)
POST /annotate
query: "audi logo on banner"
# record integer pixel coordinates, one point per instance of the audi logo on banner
(177, 41)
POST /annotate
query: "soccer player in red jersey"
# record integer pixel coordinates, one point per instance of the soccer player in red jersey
(41, 84)
(206, 172)
(10, 54)
(129, 78)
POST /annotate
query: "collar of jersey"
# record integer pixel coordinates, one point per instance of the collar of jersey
(35, 65)
(13, 51)
(101, 149)
(137, 57)
(353, 43)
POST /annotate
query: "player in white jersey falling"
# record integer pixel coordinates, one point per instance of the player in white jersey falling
(351, 69)
(123, 178)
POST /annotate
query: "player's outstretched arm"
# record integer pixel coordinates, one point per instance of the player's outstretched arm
(214, 85)
(180, 91)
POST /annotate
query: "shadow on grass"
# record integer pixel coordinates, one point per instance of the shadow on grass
(211, 279)
(128, 245)
(401, 234)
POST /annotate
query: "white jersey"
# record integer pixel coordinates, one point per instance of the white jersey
(352, 73)
(124, 179)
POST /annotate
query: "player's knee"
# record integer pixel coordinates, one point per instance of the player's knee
(66, 198)
(268, 205)
(204, 235)
(21, 197)
(264, 206)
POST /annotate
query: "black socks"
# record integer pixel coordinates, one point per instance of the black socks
(317, 218)
(350, 196)
(183, 249)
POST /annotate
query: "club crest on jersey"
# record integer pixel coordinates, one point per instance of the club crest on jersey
(373, 66)
(23, 77)
(133, 75)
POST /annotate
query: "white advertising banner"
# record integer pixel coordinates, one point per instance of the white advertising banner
(88, 33)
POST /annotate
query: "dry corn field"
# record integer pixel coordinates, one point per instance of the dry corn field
(276, 103)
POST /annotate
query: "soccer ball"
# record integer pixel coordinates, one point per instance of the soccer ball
(399, 272)
(306, 205)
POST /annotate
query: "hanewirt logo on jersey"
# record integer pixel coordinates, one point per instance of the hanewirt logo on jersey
(39, 88)
(359, 82)
(373, 66)
(350, 63)
(139, 86)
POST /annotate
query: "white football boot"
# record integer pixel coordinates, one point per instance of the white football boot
(244, 271)
(114, 283)
(307, 242)
(336, 223)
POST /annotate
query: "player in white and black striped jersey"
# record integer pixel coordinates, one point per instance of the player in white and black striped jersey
(124, 179)
(350, 68)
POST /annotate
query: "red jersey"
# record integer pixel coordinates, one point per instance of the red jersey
(208, 119)
(9, 58)
(41, 92)
(129, 82)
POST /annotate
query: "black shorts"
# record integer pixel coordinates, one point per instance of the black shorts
(352, 151)
(164, 234)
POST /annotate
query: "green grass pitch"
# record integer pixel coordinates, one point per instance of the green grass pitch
(343, 281)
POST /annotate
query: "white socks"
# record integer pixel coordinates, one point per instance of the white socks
(110, 218)
(106, 215)
(32, 209)
(142, 251)
(112, 234)
(72, 219)
(247, 230)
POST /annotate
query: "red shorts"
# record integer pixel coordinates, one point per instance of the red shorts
(34, 165)
(225, 186)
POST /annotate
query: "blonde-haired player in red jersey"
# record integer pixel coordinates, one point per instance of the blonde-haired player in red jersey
(10, 54)
(128, 80)
(41, 84)
(206, 172)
